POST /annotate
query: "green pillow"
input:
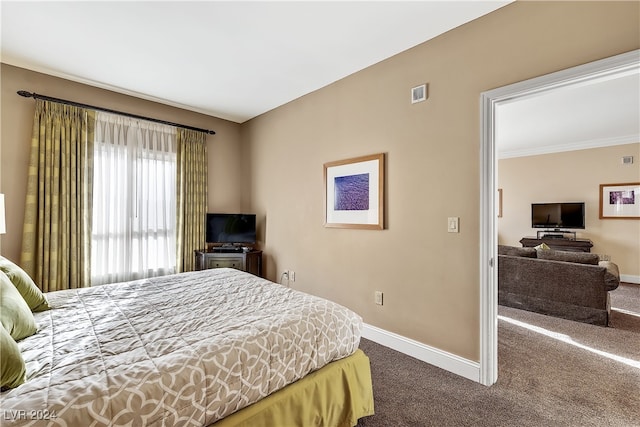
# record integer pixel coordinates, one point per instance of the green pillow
(13, 369)
(30, 292)
(15, 315)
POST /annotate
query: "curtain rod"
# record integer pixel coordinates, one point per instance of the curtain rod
(77, 104)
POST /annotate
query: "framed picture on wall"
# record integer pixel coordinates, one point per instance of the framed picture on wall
(354, 193)
(620, 201)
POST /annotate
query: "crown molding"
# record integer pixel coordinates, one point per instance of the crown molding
(571, 146)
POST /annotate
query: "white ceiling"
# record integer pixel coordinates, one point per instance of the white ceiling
(602, 113)
(233, 60)
(237, 60)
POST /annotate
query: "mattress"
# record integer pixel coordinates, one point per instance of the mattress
(185, 349)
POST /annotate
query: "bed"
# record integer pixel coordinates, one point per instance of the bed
(215, 347)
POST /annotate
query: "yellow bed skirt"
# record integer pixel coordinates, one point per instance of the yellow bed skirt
(334, 396)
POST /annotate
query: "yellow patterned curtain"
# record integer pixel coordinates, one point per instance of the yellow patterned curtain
(56, 241)
(191, 198)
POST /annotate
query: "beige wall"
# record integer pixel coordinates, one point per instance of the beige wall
(430, 278)
(573, 176)
(224, 151)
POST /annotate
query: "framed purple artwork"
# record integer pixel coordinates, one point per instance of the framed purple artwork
(620, 201)
(354, 193)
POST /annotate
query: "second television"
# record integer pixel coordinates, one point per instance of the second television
(557, 215)
(229, 229)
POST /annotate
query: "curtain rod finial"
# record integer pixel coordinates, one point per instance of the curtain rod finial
(25, 93)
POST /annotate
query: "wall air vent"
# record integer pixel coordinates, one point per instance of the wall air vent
(419, 93)
(627, 160)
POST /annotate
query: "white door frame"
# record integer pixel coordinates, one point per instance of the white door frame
(615, 66)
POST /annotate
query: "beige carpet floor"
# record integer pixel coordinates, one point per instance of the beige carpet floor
(551, 372)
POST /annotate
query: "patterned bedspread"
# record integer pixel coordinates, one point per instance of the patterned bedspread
(186, 349)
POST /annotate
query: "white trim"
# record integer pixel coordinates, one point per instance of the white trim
(572, 146)
(581, 75)
(434, 356)
(614, 66)
(630, 278)
(488, 244)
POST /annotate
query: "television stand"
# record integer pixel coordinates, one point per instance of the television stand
(555, 234)
(250, 261)
(572, 245)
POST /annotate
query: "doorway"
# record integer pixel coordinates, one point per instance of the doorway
(490, 101)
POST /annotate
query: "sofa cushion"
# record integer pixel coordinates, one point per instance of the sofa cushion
(578, 257)
(516, 251)
(562, 282)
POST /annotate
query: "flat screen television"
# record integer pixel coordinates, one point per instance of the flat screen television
(229, 229)
(557, 215)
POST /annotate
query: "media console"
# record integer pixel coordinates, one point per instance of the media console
(559, 244)
(250, 261)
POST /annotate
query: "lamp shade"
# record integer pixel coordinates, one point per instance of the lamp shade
(3, 227)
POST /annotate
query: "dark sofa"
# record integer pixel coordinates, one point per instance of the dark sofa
(570, 285)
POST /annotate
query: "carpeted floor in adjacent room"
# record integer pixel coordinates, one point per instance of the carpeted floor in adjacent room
(551, 372)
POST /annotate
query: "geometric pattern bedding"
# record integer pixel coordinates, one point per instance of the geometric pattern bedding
(185, 349)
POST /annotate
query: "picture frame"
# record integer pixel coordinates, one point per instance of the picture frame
(499, 202)
(620, 201)
(354, 192)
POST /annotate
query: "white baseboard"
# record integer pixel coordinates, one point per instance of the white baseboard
(442, 359)
(629, 278)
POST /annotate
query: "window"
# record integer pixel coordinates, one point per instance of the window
(134, 200)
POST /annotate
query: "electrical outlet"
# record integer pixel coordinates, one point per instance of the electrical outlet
(378, 297)
(285, 275)
(292, 275)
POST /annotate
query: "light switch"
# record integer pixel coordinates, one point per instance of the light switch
(454, 223)
(378, 297)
